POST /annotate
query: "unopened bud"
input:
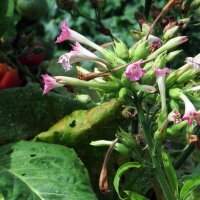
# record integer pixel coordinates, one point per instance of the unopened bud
(175, 93)
(176, 128)
(170, 33)
(195, 4)
(191, 73)
(173, 54)
(174, 42)
(141, 51)
(161, 60)
(174, 104)
(120, 49)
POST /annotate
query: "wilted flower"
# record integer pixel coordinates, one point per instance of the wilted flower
(134, 71)
(50, 83)
(78, 54)
(155, 42)
(191, 113)
(174, 116)
(69, 34)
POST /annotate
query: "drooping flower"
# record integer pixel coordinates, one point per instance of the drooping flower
(78, 54)
(50, 83)
(160, 78)
(191, 114)
(134, 71)
(69, 34)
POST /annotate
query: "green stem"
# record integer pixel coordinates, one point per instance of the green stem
(155, 160)
(188, 150)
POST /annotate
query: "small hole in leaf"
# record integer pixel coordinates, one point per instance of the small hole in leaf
(33, 155)
(73, 124)
(23, 174)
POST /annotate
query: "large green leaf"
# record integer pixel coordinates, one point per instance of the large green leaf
(40, 171)
(25, 112)
(135, 196)
(83, 126)
(188, 187)
(122, 169)
(6, 13)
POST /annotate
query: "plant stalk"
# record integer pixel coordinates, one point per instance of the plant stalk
(154, 154)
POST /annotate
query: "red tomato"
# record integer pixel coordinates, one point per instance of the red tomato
(10, 77)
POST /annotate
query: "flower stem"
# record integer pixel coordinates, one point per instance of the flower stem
(154, 154)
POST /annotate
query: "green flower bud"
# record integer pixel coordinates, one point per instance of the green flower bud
(120, 49)
(145, 28)
(161, 60)
(174, 105)
(137, 35)
(149, 77)
(126, 139)
(112, 58)
(171, 78)
(190, 74)
(120, 148)
(144, 88)
(123, 93)
(176, 128)
(170, 33)
(173, 54)
(142, 50)
(175, 93)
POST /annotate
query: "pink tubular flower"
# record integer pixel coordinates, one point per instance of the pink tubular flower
(69, 34)
(49, 83)
(191, 114)
(134, 71)
(161, 72)
(78, 54)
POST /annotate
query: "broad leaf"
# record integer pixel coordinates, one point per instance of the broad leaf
(40, 171)
(122, 169)
(6, 13)
(25, 112)
(189, 186)
(135, 196)
(83, 126)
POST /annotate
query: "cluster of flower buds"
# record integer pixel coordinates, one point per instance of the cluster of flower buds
(124, 72)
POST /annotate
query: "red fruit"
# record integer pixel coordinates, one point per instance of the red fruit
(10, 77)
(2, 70)
(33, 58)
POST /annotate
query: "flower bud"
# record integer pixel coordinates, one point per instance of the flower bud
(174, 105)
(173, 54)
(120, 148)
(149, 78)
(170, 33)
(176, 128)
(175, 93)
(171, 78)
(141, 51)
(143, 88)
(137, 35)
(121, 49)
(161, 60)
(111, 57)
(191, 73)
(123, 93)
(174, 42)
